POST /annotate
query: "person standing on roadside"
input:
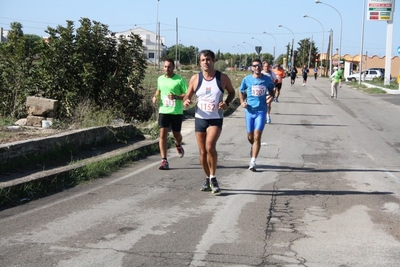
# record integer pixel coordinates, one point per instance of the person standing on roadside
(280, 74)
(209, 86)
(335, 79)
(253, 93)
(171, 88)
(267, 70)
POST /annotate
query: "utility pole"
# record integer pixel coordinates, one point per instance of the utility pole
(176, 46)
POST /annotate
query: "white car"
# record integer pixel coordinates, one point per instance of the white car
(366, 75)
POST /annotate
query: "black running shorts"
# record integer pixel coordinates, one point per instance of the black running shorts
(170, 120)
(201, 125)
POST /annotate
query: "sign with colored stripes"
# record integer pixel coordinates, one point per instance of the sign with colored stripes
(380, 9)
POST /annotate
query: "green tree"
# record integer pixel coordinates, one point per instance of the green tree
(16, 72)
(267, 56)
(233, 59)
(186, 55)
(32, 44)
(303, 52)
(87, 64)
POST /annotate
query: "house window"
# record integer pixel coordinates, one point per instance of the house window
(151, 55)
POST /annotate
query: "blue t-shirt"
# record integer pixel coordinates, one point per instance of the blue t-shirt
(257, 90)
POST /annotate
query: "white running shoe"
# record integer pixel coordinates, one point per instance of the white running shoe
(252, 166)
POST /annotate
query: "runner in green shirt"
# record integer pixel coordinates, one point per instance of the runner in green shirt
(171, 88)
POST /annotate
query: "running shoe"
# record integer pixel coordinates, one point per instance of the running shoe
(214, 185)
(276, 100)
(164, 165)
(252, 166)
(269, 119)
(206, 185)
(180, 150)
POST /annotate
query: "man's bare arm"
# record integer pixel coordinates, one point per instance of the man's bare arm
(187, 99)
(227, 84)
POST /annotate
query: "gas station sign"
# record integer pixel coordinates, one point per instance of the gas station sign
(380, 10)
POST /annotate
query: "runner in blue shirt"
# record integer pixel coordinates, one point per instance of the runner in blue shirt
(253, 93)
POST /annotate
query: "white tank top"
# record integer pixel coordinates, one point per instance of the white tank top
(208, 95)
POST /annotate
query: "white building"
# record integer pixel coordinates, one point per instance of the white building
(152, 50)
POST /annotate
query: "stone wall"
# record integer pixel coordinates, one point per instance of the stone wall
(75, 138)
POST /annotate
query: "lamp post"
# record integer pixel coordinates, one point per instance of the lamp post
(240, 54)
(323, 31)
(292, 52)
(250, 50)
(275, 43)
(341, 24)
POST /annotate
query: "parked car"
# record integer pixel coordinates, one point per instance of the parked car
(367, 75)
(383, 72)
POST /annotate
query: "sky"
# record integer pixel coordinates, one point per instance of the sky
(234, 26)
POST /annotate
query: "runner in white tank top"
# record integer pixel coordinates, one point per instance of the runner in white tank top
(209, 86)
(209, 94)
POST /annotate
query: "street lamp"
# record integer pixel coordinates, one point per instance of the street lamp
(275, 43)
(341, 24)
(250, 50)
(323, 31)
(292, 53)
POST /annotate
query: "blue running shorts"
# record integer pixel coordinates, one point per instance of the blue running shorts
(255, 121)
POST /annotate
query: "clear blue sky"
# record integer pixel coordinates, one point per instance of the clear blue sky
(216, 24)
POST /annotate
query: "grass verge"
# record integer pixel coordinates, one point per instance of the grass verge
(366, 89)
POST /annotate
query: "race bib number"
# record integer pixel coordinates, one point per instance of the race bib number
(206, 106)
(168, 102)
(258, 90)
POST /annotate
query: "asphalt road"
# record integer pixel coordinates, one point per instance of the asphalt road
(326, 193)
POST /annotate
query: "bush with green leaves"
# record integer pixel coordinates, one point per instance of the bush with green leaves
(88, 63)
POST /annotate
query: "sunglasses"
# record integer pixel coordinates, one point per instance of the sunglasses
(255, 66)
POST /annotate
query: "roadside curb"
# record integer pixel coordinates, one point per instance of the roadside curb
(388, 91)
(65, 169)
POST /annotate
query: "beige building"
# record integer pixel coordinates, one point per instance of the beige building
(367, 62)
